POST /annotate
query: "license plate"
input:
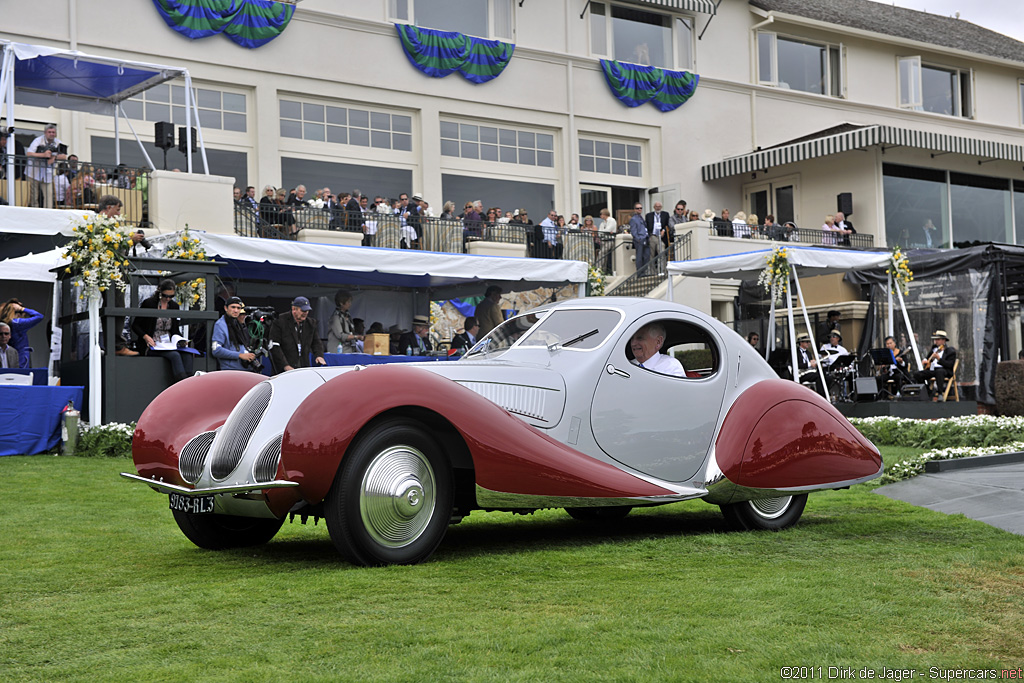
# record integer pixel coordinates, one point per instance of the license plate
(197, 505)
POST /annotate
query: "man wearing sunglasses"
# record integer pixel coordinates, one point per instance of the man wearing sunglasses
(8, 354)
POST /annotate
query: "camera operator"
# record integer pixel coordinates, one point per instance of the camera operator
(231, 338)
(43, 153)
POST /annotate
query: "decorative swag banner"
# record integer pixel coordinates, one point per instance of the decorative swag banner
(250, 23)
(633, 84)
(439, 53)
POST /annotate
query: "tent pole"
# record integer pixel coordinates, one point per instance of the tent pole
(189, 103)
(141, 146)
(892, 319)
(95, 402)
(910, 332)
(807, 322)
(668, 292)
(117, 137)
(770, 342)
(581, 291)
(7, 97)
(202, 143)
(792, 332)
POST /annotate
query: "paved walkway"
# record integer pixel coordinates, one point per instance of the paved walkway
(980, 488)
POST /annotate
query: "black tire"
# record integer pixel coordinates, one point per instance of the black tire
(391, 501)
(220, 532)
(602, 514)
(769, 514)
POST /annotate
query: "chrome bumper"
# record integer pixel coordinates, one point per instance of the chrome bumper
(164, 487)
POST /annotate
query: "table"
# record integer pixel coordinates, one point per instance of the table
(367, 359)
(30, 417)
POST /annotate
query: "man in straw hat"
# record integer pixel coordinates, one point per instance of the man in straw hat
(417, 341)
(939, 364)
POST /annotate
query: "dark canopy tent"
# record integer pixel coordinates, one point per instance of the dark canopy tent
(967, 292)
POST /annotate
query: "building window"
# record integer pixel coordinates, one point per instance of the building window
(799, 65)
(345, 125)
(490, 143)
(615, 158)
(481, 18)
(936, 89)
(218, 109)
(628, 34)
(1020, 100)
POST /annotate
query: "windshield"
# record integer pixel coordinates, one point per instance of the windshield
(573, 328)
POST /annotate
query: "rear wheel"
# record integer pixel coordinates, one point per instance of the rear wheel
(601, 514)
(391, 501)
(220, 532)
(765, 513)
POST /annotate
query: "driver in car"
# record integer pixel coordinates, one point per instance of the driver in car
(646, 345)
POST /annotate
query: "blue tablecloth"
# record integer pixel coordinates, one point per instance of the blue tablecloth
(39, 375)
(30, 417)
(368, 359)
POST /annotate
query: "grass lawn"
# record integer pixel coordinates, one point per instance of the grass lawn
(97, 583)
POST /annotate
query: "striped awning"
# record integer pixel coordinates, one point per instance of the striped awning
(860, 137)
(702, 6)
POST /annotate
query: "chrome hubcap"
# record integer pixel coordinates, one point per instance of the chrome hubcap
(771, 508)
(397, 496)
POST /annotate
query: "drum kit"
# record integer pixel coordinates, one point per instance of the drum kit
(841, 375)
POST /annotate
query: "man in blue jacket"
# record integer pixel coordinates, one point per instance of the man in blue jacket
(230, 338)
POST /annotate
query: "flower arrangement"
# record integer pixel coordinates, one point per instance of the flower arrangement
(595, 282)
(98, 252)
(315, 203)
(190, 293)
(899, 268)
(775, 276)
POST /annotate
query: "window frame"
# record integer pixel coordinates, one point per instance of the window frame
(305, 101)
(963, 96)
(601, 177)
(395, 13)
(674, 19)
(831, 72)
(519, 131)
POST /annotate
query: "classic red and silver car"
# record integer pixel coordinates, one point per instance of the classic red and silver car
(550, 410)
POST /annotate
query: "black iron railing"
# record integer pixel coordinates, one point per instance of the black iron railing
(782, 233)
(655, 271)
(78, 185)
(249, 223)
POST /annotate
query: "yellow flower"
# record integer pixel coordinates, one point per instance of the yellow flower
(110, 254)
(125, 262)
(67, 270)
(86, 273)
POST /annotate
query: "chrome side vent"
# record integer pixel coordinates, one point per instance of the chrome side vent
(265, 468)
(193, 456)
(527, 401)
(238, 429)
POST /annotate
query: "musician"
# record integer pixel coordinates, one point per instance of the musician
(939, 364)
(831, 351)
(807, 366)
(896, 371)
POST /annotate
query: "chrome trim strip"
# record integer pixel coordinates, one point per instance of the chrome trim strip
(164, 487)
(724, 491)
(486, 498)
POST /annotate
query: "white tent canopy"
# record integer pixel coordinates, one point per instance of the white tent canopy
(25, 221)
(45, 76)
(812, 260)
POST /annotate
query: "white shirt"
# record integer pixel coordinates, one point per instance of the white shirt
(664, 364)
(829, 353)
(609, 225)
(41, 169)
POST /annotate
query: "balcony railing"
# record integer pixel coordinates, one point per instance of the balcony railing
(655, 271)
(79, 185)
(451, 236)
(781, 233)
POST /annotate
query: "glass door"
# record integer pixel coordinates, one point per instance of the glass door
(593, 198)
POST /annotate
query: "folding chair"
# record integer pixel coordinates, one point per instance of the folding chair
(951, 384)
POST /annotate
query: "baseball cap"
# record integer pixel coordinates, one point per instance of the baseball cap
(302, 303)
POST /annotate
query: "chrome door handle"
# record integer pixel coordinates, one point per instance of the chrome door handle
(612, 370)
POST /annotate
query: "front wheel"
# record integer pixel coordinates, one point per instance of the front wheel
(769, 514)
(220, 532)
(391, 501)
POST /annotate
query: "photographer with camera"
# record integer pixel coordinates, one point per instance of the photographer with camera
(44, 152)
(231, 338)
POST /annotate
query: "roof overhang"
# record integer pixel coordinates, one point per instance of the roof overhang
(701, 6)
(861, 137)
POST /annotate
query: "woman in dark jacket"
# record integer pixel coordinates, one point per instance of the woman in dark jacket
(160, 332)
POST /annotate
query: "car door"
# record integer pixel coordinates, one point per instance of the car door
(658, 424)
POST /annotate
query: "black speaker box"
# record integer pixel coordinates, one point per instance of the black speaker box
(914, 392)
(163, 134)
(867, 389)
(183, 141)
(844, 203)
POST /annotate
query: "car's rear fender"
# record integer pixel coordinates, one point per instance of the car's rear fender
(781, 437)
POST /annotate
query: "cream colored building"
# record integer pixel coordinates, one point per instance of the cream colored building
(917, 117)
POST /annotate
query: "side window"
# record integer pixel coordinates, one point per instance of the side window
(692, 346)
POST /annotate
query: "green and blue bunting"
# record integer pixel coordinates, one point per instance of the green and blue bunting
(634, 84)
(249, 23)
(439, 53)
